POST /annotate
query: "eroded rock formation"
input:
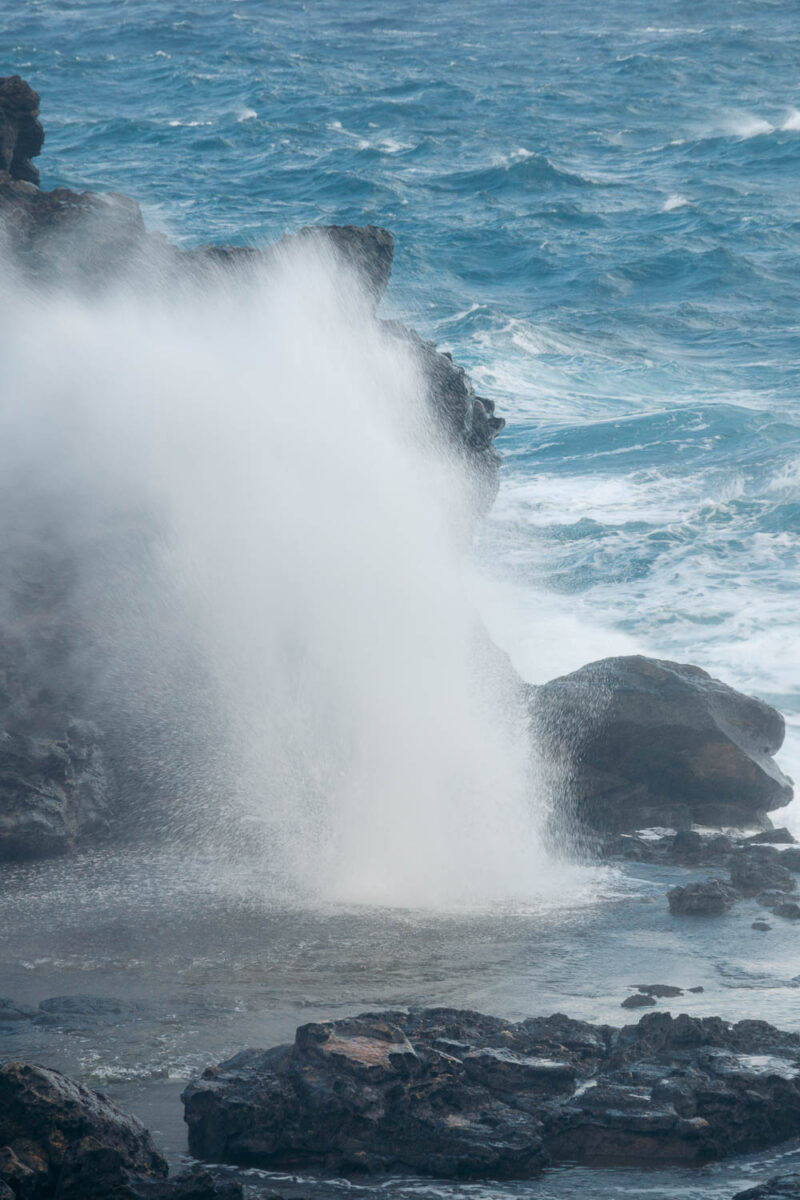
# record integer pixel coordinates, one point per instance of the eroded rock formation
(61, 1141)
(21, 133)
(459, 1094)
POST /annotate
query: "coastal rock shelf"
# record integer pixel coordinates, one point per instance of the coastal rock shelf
(458, 1094)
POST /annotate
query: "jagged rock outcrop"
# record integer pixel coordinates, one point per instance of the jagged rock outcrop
(52, 792)
(61, 1141)
(453, 1093)
(57, 769)
(693, 848)
(56, 783)
(50, 1125)
(638, 742)
(21, 133)
(780, 1187)
(711, 898)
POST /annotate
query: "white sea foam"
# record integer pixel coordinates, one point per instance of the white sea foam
(746, 125)
(791, 122)
(674, 201)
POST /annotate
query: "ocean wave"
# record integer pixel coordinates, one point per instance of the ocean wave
(514, 171)
(674, 201)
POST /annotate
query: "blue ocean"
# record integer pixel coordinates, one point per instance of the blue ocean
(597, 210)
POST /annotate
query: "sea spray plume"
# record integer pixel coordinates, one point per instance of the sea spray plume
(268, 544)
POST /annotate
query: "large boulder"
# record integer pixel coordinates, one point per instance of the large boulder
(709, 899)
(459, 1094)
(61, 1141)
(52, 1127)
(636, 742)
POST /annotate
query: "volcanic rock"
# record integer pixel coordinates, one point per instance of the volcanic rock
(61, 1141)
(57, 770)
(639, 1000)
(777, 1188)
(758, 869)
(51, 1127)
(21, 134)
(709, 899)
(458, 1094)
(788, 909)
(772, 837)
(52, 791)
(638, 742)
(790, 858)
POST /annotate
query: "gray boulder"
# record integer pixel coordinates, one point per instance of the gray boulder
(636, 742)
(711, 898)
(760, 869)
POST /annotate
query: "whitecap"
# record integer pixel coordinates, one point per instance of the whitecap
(392, 146)
(338, 127)
(246, 114)
(674, 201)
(747, 125)
(792, 122)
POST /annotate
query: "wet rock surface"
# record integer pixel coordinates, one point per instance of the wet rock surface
(775, 1188)
(455, 1093)
(643, 742)
(62, 1141)
(52, 1129)
(52, 791)
(61, 774)
(21, 133)
(709, 899)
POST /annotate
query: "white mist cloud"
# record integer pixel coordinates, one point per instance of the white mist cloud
(268, 570)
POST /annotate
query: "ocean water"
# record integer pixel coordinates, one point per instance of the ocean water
(597, 210)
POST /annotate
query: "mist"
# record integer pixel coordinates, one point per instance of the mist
(264, 551)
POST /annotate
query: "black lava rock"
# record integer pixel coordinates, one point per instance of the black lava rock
(458, 1094)
(56, 1132)
(21, 134)
(709, 899)
(758, 869)
(639, 1000)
